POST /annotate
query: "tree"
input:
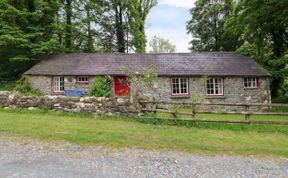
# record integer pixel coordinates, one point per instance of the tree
(207, 26)
(139, 10)
(161, 45)
(264, 27)
(32, 29)
(26, 33)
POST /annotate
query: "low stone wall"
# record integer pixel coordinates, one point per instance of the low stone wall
(97, 105)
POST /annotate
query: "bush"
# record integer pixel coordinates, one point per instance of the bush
(24, 87)
(101, 87)
(7, 86)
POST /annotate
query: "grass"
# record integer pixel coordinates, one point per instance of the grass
(198, 138)
(7, 86)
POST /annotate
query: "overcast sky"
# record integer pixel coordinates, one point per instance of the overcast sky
(168, 20)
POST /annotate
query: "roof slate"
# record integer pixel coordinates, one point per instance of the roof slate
(175, 64)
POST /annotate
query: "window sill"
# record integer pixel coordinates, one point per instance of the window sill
(58, 93)
(84, 83)
(215, 97)
(179, 96)
(251, 88)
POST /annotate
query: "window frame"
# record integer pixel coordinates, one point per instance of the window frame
(214, 86)
(179, 86)
(84, 81)
(256, 81)
(57, 88)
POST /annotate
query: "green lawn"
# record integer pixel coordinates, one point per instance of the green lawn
(198, 138)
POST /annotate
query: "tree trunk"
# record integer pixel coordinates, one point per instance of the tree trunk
(68, 27)
(119, 29)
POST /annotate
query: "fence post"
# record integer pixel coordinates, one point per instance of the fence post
(247, 116)
(193, 111)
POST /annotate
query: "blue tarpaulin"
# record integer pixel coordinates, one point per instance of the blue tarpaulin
(75, 92)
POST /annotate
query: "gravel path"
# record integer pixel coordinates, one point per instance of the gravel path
(30, 158)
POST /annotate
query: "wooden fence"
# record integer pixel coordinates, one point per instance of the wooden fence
(247, 113)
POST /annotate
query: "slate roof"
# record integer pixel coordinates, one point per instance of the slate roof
(174, 64)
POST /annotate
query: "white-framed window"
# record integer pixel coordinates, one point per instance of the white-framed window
(214, 86)
(179, 86)
(250, 82)
(58, 84)
(82, 79)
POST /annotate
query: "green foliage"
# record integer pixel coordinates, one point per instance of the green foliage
(101, 87)
(260, 24)
(207, 26)
(161, 45)
(33, 29)
(26, 34)
(139, 10)
(7, 86)
(264, 28)
(24, 87)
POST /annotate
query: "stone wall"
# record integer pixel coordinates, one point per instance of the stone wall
(44, 83)
(98, 105)
(234, 92)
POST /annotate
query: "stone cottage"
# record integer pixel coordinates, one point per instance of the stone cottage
(229, 77)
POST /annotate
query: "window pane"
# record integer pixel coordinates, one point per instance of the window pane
(179, 85)
(250, 82)
(214, 86)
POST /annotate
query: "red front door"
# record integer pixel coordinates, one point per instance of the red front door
(121, 86)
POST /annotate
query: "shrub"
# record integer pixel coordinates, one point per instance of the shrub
(24, 87)
(7, 86)
(101, 87)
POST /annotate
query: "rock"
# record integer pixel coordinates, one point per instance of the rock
(100, 99)
(31, 108)
(77, 149)
(11, 97)
(110, 114)
(120, 100)
(81, 105)
(51, 97)
(57, 105)
(140, 114)
(4, 93)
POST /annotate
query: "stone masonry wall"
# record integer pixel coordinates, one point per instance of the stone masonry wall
(98, 105)
(234, 92)
(44, 83)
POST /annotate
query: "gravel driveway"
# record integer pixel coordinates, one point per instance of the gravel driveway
(29, 158)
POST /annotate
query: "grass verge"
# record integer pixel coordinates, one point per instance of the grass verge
(200, 138)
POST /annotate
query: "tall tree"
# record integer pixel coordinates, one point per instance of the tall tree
(161, 45)
(26, 32)
(139, 9)
(207, 26)
(263, 24)
(126, 18)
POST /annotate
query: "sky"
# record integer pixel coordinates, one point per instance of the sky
(168, 20)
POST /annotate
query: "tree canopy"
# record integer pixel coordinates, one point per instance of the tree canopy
(207, 26)
(32, 29)
(253, 27)
(161, 45)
